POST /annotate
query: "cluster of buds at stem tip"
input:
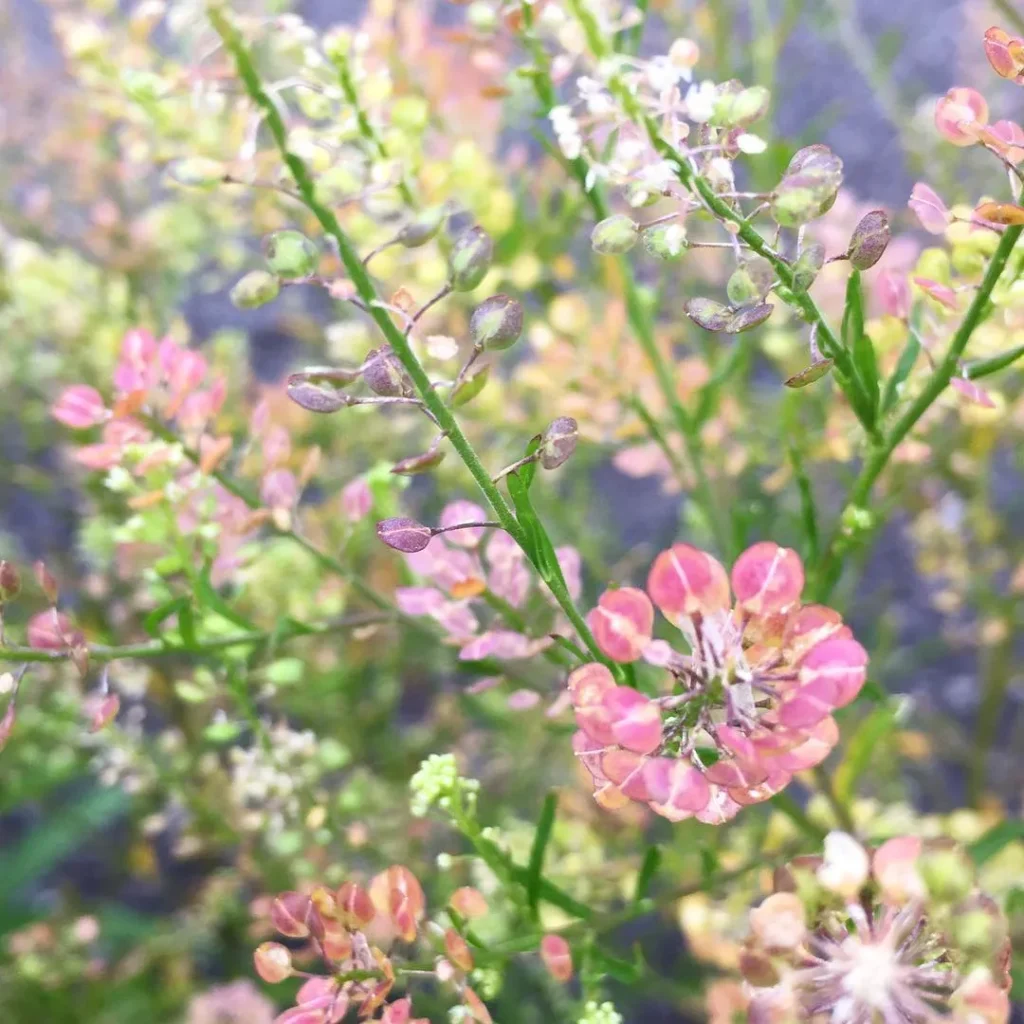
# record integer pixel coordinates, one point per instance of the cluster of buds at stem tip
(896, 934)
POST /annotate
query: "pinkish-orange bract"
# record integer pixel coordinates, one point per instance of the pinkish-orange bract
(750, 703)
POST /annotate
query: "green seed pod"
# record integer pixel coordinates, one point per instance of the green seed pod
(710, 315)
(497, 322)
(470, 387)
(470, 259)
(615, 235)
(869, 240)
(808, 188)
(750, 281)
(422, 228)
(416, 464)
(665, 241)
(808, 264)
(385, 375)
(256, 289)
(291, 255)
(745, 318)
(558, 442)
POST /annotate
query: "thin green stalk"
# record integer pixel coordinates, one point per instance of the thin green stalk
(1011, 12)
(937, 383)
(638, 318)
(367, 130)
(101, 653)
(396, 338)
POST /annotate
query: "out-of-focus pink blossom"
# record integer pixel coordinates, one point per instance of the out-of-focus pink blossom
(891, 291)
(959, 115)
(1006, 54)
(79, 407)
(758, 685)
(456, 512)
(941, 293)
(929, 209)
(972, 392)
(356, 500)
(238, 1002)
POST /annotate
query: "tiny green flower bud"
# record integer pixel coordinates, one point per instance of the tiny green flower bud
(741, 287)
(615, 235)
(869, 240)
(807, 265)
(197, 172)
(665, 241)
(422, 228)
(558, 442)
(10, 582)
(256, 289)
(947, 873)
(416, 464)
(385, 375)
(736, 108)
(405, 535)
(707, 313)
(855, 519)
(496, 323)
(291, 255)
(470, 259)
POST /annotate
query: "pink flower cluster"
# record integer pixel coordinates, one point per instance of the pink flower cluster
(746, 706)
(468, 566)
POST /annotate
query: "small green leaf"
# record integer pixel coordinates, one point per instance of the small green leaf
(535, 867)
(908, 357)
(529, 471)
(208, 597)
(808, 508)
(187, 625)
(995, 839)
(856, 339)
(863, 746)
(648, 869)
(222, 732)
(159, 615)
(985, 367)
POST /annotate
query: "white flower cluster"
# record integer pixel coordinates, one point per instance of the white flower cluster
(267, 783)
(567, 132)
(600, 1013)
(435, 784)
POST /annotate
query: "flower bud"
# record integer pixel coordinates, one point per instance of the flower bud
(665, 241)
(422, 228)
(779, 923)
(47, 584)
(707, 313)
(557, 957)
(457, 950)
(197, 172)
(104, 711)
(470, 259)
(291, 255)
(468, 902)
(256, 289)
(845, 866)
(947, 873)
(290, 914)
(869, 240)
(10, 581)
(558, 442)
(405, 535)
(615, 235)
(416, 464)
(496, 323)
(273, 962)
(385, 375)
(318, 390)
(807, 266)
(355, 907)
(978, 931)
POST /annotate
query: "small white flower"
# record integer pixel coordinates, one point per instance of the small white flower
(700, 101)
(750, 143)
(845, 865)
(662, 74)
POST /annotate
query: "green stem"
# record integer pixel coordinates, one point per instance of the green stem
(638, 318)
(936, 384)
(161, 648)
(396, 339)
(366, 129)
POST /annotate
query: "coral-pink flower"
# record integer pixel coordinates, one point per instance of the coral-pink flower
(79, 407)
(959, 115)
(746, 704)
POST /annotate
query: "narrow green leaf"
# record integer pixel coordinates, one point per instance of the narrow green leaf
(535, 867)
(908, 357)
(187, 625)
(529, 471)
(995, 839)
(856, 339)
(808, 508)
(208, 597)
(159, 615)
(648, 869)
(863, 746)
(985, 367)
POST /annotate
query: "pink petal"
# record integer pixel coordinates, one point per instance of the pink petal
(626, 769)
(419, 600)
(939, 292)
(958, 112)
(79, 407)
(497, 643)
(622, 623)
(972, 392)
(279, 489)
(685, 580)
(571, 565)
(929, 209)
(677, 788)
(456, 512)
(635, 720)
(767, 578)
(892, 293)
(840, 660)
(356, 500)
